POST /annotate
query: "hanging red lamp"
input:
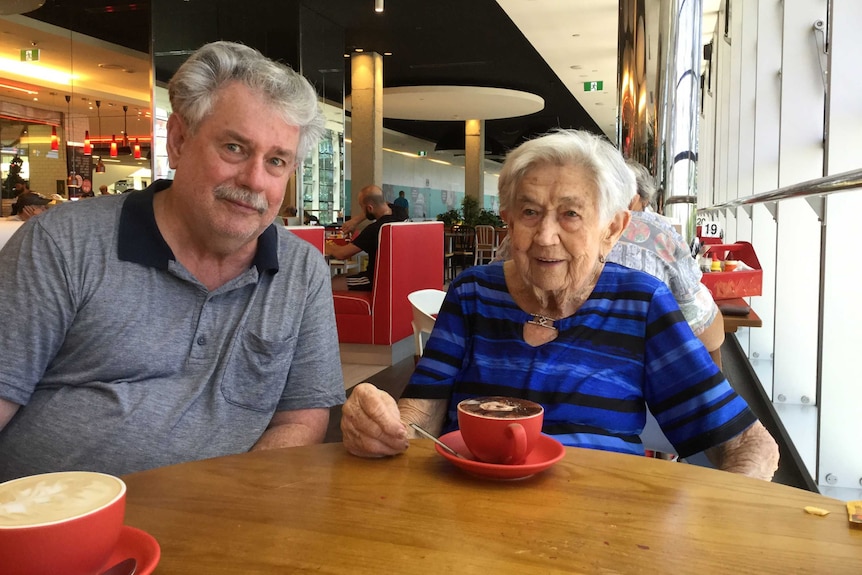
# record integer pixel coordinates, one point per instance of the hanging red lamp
(137, 149)
(55, 142)
(113, 146)
(88, 148)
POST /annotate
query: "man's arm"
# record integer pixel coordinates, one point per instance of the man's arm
(341, 252)
(354, 226)
(7, 410)
(753, 453)
(294, 428)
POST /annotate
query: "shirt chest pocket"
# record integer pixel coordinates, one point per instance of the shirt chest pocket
(256, 372)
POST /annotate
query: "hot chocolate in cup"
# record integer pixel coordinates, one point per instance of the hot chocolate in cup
(500, 430)
(66, 522)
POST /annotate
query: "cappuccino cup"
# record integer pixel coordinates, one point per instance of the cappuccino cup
(500, 430)
(66, 522)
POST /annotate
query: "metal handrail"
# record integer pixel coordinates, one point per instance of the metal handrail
(819, 187)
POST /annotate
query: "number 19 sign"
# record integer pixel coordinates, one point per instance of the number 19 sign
(710, 229)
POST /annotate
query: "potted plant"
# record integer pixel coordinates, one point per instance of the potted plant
(489, 218)
(470, 209)
(450, 218)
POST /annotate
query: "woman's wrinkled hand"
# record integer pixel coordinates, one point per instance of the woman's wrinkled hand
(371, 423)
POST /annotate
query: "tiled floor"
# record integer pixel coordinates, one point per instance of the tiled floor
(357, 373)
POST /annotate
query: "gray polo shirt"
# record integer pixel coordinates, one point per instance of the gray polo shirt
(123, 361)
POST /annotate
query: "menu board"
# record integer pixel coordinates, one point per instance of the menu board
(79, 163)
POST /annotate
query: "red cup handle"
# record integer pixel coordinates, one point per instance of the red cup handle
(518, 451)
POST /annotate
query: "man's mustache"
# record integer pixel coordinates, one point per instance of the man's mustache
(256, 201)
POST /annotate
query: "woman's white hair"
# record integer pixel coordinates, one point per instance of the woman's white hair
(611, 176)
(195, 86)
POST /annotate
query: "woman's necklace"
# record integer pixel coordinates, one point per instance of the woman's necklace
(543, 321)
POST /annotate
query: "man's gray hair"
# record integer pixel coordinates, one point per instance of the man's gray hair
(195, 86)
(602, 161)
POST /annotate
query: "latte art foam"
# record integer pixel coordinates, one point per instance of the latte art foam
(500, 407)
(55, 497)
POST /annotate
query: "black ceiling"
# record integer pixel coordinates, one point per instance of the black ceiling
(444, 42)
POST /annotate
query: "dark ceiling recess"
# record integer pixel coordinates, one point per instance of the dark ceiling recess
(440, 42)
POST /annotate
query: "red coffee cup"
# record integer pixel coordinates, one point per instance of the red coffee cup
(500, 430)
(67, 522)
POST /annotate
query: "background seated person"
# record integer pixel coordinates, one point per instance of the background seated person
(374, 204)
(651, 244)
(593, 342)
(28, 205)
(356, 224)
(20, 187)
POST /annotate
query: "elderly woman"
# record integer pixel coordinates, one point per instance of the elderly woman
(593, 342)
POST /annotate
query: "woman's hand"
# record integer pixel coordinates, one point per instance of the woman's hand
(371, 423)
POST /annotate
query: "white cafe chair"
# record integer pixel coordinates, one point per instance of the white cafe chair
(486, 244)
(426, 304)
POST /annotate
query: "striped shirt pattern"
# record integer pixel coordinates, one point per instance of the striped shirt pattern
(627, 346)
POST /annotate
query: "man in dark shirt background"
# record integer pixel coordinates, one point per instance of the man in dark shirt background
(374, 204)
(402, 202)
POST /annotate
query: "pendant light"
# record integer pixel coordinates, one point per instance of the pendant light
(125, 127)
(137, 150)
(55, 141)
(113, 145)
(71, 181)
(88, 148)
(100, 165)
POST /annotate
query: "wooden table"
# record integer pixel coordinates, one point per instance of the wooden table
(318, 509)
(734, 322)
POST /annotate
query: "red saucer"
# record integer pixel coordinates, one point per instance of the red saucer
(547, 452)
(138, 544)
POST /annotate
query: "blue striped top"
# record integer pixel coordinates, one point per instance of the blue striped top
(628, 345)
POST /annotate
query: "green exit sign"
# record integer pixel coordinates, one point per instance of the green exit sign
(31, 55)
(421, 153)
(593, 86)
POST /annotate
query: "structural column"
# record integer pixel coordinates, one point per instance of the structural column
(474, 160)
(366, 163)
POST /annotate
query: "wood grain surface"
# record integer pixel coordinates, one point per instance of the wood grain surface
(318, 509)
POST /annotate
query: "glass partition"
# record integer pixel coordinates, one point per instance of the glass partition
(81, 84)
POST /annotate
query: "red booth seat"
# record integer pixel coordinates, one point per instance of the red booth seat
(315, 235)
(410, 258)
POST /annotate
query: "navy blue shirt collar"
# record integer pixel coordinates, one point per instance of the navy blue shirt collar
(140, 241)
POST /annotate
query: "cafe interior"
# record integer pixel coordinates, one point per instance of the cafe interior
(747, 114)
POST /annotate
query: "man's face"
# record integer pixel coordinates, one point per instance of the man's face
(232, 173)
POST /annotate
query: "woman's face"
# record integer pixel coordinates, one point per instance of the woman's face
(556, 233)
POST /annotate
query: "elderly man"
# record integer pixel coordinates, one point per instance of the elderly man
(176, 323)
(592, 341)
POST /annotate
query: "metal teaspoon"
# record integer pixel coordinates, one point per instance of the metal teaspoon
(124, 567)
(445, 447)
